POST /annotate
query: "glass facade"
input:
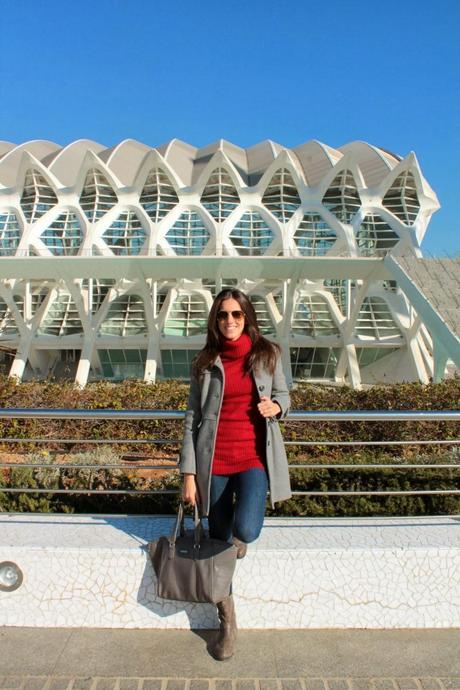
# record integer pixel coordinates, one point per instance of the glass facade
(118, 365)
(402, 198)
(176, 364)
(263, 315)
(375, 237)
(368, 355)
(62, 317)
(342, 197)
(126, 316)
(187, 316)
(10, 233)
(64, 236)
(219, 196)
(221, 202)
(375, 320)
(281, 196)
(251, 236)
(314, 237)
(312, 317)
(158, 196)
(126, 235)
(313, 362)
(97, 196)
(37, 196)
(8, 325)
(188, 236)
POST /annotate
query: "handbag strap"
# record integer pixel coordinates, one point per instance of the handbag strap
(179, 525)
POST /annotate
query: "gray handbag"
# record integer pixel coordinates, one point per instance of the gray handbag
(190, 566)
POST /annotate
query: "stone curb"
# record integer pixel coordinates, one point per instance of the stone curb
(152, 683)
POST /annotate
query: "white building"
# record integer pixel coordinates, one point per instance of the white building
(109, 258)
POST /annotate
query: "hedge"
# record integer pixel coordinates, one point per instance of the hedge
(173, 395)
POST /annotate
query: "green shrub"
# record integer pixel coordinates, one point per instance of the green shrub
(173, 395)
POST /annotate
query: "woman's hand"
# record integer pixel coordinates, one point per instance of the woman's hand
(189, 490)
(268, 408)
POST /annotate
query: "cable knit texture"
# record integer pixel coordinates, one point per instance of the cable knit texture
(240, 442)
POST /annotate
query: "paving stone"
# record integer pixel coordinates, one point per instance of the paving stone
(291, 684)
(175, 685)
(82, 683)
(339, 684)
(199, 685)
(361, 684)
(429, 683)
(407, 683)
(60, 683)
(151, 684)
(314, 684)
(223, 685)
(451, 683)
(386, 684)
(35, 682)
(128, 684)
(246, 685)
(12, 682)
(268, 684)
(106, 683)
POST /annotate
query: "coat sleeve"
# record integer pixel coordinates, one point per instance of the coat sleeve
(187, 461)
(280, 392)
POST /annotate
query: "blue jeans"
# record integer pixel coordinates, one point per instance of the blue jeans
(238, 505)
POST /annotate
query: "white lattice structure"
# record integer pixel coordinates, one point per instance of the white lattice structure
(107, 270)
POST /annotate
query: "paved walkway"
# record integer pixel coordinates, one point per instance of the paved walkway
(114, 659)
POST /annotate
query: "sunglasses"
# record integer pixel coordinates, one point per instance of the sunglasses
(224, 315)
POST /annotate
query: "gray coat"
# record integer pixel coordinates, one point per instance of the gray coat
(200, 430)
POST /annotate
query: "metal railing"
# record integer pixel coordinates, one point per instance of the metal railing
(170, 415)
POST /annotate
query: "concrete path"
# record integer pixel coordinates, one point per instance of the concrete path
(115, 659)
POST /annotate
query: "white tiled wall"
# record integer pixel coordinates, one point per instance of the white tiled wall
(301, 573)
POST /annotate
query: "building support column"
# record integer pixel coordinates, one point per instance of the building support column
(416, 356)
(84, 364)
(354, 374)
(151, 364)
(440, 357)
(20, 360)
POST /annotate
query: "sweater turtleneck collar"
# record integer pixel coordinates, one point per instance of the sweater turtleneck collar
(233, 349)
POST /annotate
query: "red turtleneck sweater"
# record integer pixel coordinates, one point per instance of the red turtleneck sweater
(240, 442)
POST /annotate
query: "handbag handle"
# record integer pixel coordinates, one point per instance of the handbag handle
(180, 527)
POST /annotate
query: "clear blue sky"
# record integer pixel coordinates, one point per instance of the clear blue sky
(337, 71)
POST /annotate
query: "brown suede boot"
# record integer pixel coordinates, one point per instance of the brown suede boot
(224, 645)
(241, 546)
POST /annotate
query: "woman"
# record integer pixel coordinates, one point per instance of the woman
(232, 450)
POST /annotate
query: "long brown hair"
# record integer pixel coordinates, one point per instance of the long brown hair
(263, 353)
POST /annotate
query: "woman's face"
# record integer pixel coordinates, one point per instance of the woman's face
(231, 327)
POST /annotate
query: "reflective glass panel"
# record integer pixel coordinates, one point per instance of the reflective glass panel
(251, 236)
(158, 196)
(126, 316)
(188, 236)
(281, 196)
(375, 320)
(219, 196)
(314, 237)
(312, 317)
(342, 197)
(10, 233)
(37, 196)
(188, 315)
(126, 235)
(402, 199)
(64, 236)
(374, 236)
(176, 364)
(313, 362)
(97, 196)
